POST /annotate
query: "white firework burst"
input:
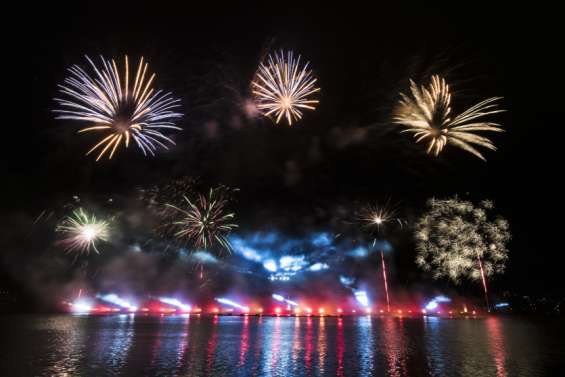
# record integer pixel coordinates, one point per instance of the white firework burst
(282, 87)
(456, 239)
(112, 105)
(81, 231)
(376, 217)
(426, 114)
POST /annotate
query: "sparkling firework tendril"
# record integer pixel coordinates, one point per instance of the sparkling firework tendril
(81, 232)
(427, 115)
(205, 221)
(456, 239)
(111, 105)
(282, 87)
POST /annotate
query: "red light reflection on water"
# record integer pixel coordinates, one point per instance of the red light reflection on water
(309, 347)
(183, 345)
(244, 343)
(394, 347)
(340, 344)
(322, 347)
(496, 342)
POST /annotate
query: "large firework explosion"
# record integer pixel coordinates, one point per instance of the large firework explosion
(112, 106)
(282, 87)
(81, 231)
(205, 222)
(456, 239)
(426, 114)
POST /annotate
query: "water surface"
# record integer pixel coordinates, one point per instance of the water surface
(133, 345)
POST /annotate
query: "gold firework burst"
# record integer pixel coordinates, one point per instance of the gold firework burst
(426, 114)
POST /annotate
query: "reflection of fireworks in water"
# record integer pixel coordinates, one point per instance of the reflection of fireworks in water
(112, 106)
(282, 87)
(81, 231)
(427, 115)
(375, 219)
(205, 221)
(456, 239)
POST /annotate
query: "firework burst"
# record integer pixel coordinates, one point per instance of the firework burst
(456, 239)
(205, 222)
(119, 107)
(375, 218)
(81, 232)
(283, 87)
(427, 115)
(172, 192)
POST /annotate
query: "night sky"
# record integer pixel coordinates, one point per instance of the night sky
(345, 152)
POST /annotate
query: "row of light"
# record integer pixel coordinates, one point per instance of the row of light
(321, 311)
(82, 306)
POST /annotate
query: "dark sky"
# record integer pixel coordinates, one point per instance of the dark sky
(344, 151)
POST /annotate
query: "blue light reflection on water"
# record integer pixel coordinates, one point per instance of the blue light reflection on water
(283, 346)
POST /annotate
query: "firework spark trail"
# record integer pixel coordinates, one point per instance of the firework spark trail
(282, 87)
(385, 281)
(205, 221)
(484, 280)
(110, 105)
(375, 218)
(427, 115)
(81, 232)
(454, 235)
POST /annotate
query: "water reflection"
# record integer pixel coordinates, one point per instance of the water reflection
(394, 347)
(434, 346)
(244, 343)
(496, 343)
(64, 349)
(113, 341)
(308, 340)
(271, 335)
(183, 343)
(321, 345)
(253, 367)
(211, 346)
(340, 348)
(170, 350)
(296, 345)
(285, 346)
(366, 345)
